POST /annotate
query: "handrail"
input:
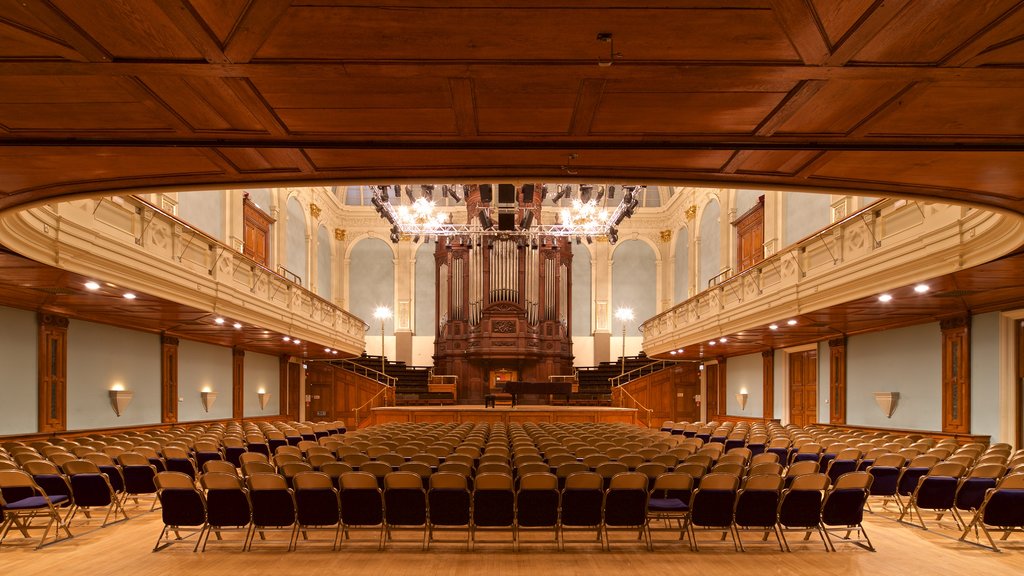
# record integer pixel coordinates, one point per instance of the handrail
(640, 406)
(649, 368)
(379, 377)
(217, 242)
(774, 258)
(370, 401)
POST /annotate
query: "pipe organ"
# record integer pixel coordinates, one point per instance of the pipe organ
(503, 300)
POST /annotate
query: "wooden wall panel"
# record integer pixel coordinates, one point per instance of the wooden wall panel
(837, 380)
(168, 379)
(53, 372)
(667, 393)
(956, 375)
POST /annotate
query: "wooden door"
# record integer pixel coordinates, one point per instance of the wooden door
(803, 387)
(686, 407)
(750, 237)
(255, 232)
(1020, 383)
(711, 397)
(956, 375)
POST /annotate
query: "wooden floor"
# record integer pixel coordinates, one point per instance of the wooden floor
(126, 548)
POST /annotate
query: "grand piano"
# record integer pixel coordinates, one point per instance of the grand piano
(516, 387)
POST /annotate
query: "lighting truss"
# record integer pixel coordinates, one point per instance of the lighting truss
(584, 219)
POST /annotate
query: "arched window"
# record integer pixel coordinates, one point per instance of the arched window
(682, 266)
(426, 290)
(374, 284)
(582, 298)
(709, 259)
(295, 248)
(634, 282)
(323, 263)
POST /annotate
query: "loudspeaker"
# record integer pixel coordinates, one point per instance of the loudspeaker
(527, 193)
(506, 221)
(485, 194)
(506, 193)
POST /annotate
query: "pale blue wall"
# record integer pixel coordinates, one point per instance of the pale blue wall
(18, 358)
(582, 298)
(324, 268)
(905, 360)
(260, 197)
(805, 213)
(374, 283)
(709, 259)
(633, 284)
(100, 356)
(985, 376)
(204, 210)
(745, 372)
(745, 200)
(295, 241)
(426, 291)
(201, 365)
(682, 266)
(261, 371)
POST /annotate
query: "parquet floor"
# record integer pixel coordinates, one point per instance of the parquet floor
(125, 548)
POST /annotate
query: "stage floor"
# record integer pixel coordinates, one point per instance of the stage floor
(507, 414)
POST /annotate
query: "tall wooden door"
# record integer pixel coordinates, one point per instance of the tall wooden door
(711, 388)
(803, 387)
(255, 232)
(750, 237)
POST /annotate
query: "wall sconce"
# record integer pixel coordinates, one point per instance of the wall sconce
(887, 402)
(264, 398)
(209, 397)
(742, 399)
(120, 398)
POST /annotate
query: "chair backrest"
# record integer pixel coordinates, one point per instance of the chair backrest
(584, 480)
(948, 469)
(247, 457)
(890, 461)
(988, 471)
(853, 480)
(73, 467)
(801, 468)
(448, 481)
(716, 481)
(538, 481)
(816, 481)
(173, 481)
(763, 482)
(492, 481)
(773, 468)
(358, 481)
(257, 467)
(40, 467)
(523, 469)
(734, 468)
(628, 481)
(403, 481)
(672, 481)
(132, 459)
(219, 481)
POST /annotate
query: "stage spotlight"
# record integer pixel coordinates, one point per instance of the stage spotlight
(527, 220)
(585, 191)
(485, 221)
(409, 194)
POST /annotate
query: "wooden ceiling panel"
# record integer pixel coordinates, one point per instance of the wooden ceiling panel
(942, 109)
(368, 121)
(682, 113)
(1010, 53)
(354, 93)
(993, 175)
(840, 105)
(220, 16)
(206, 104)
(514, 161)
(554, 33)
(516, 107)
(25, 170)
(839, 18)
(129, 30)
(786, 162)
(17, 41)
(928, 32)
(513, 121)
(256, 160)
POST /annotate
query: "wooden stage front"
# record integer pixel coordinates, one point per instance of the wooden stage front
(517, 414)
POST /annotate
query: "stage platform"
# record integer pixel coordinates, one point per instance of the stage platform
(517, 414)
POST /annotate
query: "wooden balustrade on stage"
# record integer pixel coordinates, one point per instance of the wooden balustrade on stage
(668, 394)
(335, 393)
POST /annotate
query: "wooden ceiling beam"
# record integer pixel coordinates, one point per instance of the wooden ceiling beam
(66, 30)
(253, 28)
(860, 35)
(800, 23)
(191, 25)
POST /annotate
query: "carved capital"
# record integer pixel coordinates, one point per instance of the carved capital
(666, 235)
(314, 210)
(691, 212)
(53, 320)
(837, 342)
(953, 323)
(339, 234)
(168, 340)
(768, 354)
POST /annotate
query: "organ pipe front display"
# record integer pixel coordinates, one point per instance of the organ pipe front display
(504, 297)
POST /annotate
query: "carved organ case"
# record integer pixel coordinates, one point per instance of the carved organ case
(504, 296)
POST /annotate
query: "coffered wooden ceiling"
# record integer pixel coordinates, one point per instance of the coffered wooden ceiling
(912, 97)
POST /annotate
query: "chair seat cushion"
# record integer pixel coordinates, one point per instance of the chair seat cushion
(33, 502)
(667, 505)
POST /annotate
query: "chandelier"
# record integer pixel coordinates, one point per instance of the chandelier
(584, 218)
